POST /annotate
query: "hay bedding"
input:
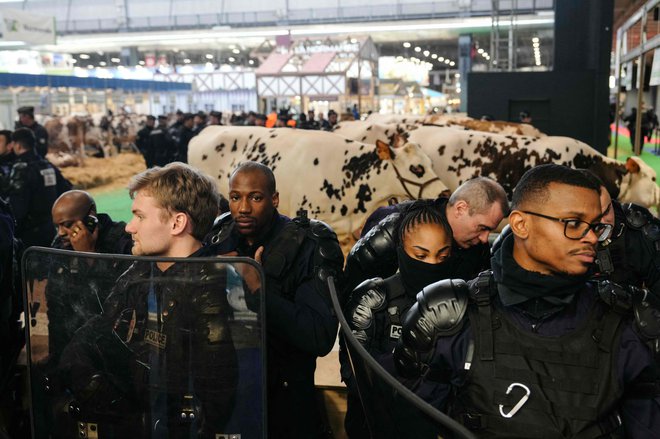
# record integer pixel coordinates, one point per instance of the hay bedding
(113, 171)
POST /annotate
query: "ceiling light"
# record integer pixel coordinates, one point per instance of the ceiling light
(232, 59)
(236, 51)
(447, 61)
(115, 60)
(406, 44)
(418, 49)
(457, 75)
(84, 56)
(536, 45)
(208, 56)
(440, 58)
(452, 64)
(535, 40)
(73, 61)
(426, 53)
(102, 64)
(186, 61)
(141, 63)
(99, 53)
(90, 66)
(251, 62)
(434, 55)
(353, 40)
(480, 50)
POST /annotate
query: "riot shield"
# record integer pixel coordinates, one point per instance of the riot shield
(391, 409)
(122, 346)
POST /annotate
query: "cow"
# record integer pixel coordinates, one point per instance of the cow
(369, 132)
(337, 180)
(459, 155)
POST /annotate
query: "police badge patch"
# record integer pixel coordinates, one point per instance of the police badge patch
(155, 338)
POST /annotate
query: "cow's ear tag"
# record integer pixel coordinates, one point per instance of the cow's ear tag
(383, 150)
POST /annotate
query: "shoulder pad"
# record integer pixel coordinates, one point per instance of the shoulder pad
(439, 311)
(375, 253)
(636, 216)
(18, 175)
(506, 231)
(652, 230)
(222, 227)
(328, 257)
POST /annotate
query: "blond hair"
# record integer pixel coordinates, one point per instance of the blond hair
(178, 187)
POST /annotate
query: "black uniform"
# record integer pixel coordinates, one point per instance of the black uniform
(142, 142)
(301, 325)
(6, 163)
(8, 283)
(531, 355)
(175, 130)
(40, 135)
(157, 355)
(184, 139)
(161, 148)
(32, 192)
(76, 290)
(632, 255)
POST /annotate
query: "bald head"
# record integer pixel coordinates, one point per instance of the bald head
(74, 205)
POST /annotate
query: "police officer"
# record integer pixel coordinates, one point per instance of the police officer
(7, 159)
(162, 148)
(533, 349)
(174, 129)
(33, 188)
(26, 120)
(199, 122)
(473, 211)
(377, 307)
(186, 133)
(297, 256)
(160, 359)
(143, 137)
(631, 254)
(216, 118)
(75, 291)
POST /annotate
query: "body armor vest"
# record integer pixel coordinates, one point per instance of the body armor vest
(522, 385)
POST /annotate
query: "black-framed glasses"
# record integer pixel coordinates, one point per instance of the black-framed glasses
(578, 229)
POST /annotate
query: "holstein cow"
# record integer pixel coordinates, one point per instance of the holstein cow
(459, 155)
(369, 132)
(337, 180)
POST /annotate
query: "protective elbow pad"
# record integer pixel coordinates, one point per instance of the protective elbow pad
(367, 299)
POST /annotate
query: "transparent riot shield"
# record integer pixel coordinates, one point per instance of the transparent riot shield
(391, 409)
(135, 347)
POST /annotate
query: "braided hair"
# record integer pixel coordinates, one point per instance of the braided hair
(422, 212)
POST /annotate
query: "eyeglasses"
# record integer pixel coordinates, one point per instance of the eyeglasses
(577, 229)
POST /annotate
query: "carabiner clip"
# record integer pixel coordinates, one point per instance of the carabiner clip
(519, 404)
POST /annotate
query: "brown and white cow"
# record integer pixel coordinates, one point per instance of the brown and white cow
(337, 180)
(459, 155)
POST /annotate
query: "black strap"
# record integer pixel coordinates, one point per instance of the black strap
(482, 298)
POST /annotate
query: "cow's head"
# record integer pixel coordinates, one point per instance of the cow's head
(415, 177)
(639, 184)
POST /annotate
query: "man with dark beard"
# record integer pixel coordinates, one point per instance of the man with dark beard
(534, 349)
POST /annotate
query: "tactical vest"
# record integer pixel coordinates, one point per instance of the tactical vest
(388, 322)
(522, 385)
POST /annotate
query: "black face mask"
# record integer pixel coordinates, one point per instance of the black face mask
(415, 274)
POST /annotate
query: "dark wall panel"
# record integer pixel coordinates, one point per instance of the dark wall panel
(573, 99)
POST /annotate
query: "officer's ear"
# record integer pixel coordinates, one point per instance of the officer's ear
(180, 222)
(276, 199)
(519, 224)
